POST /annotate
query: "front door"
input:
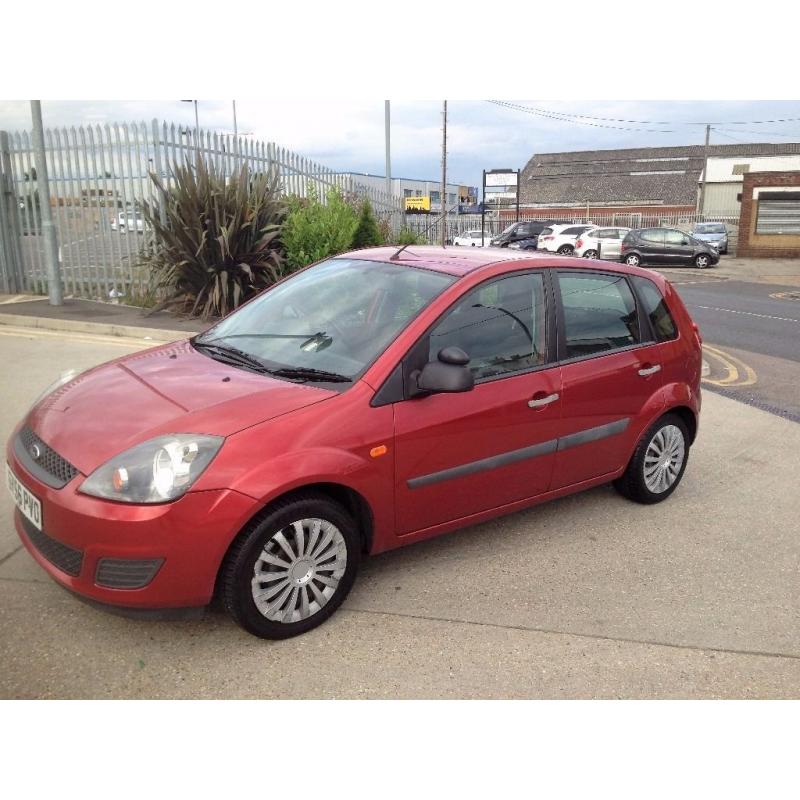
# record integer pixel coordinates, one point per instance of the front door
(678, 247)
(460, 454)
(610, 371)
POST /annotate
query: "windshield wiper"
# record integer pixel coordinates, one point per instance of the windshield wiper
(233, 356)
(310, 374)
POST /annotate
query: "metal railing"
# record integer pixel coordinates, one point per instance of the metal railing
(428, 226)
(99, 178)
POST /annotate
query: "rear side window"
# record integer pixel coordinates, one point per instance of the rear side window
(652, 235)
(574, 231)
(599, 313)
(656, 309)
(546, 231)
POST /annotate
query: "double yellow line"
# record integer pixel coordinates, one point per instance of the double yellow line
(737, 372)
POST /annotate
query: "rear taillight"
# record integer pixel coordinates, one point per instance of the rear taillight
(623, 247)
(546, 238)
(579, 243)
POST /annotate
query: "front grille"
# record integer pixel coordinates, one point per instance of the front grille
(124, 573)
(61, 472)
(67, 559)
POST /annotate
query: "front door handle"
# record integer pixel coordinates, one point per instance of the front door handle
(645, 371)
(538, 402)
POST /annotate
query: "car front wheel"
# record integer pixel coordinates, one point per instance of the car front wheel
(701, 261)
(291, 568)
(658, 462)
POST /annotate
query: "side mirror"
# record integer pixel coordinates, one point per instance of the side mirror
(449, 373)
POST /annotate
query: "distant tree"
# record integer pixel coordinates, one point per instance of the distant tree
(367, 232)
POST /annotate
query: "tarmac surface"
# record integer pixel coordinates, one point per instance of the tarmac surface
(588, 596)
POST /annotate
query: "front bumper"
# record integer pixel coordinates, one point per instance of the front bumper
(175, 548)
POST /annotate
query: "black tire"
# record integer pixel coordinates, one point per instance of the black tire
(590, 254)
(631, 484)
(702, 261)
(566, 250)
(633, 260)
(238, 567)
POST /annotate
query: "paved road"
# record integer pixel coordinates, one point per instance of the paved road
(748, 325)
(590, 596)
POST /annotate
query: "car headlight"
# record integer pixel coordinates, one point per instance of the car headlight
(64, 378)
(157, 471)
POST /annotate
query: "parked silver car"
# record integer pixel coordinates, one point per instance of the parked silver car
(714, 233)
(602, 242)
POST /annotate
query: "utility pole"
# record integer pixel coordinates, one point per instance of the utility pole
(701, 203)
(444, 174)
(387, 128)
(54, 291)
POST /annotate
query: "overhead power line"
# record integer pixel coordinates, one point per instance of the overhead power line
(569, 117)
(564, 118)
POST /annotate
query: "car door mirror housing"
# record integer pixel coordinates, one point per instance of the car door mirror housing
(449, 373)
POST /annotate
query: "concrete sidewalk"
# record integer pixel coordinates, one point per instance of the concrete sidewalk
(90, 316)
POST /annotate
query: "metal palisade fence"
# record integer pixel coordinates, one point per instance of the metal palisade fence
(99, 179)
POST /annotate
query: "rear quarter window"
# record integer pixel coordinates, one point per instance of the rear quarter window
(655, 307)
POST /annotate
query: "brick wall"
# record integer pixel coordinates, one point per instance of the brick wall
(751, 244)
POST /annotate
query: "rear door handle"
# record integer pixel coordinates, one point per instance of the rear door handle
(543, 401)
(645, 371)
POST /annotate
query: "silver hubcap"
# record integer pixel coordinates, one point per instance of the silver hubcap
(632, 260)
(299, 570)
(664, 459)
(702, 261)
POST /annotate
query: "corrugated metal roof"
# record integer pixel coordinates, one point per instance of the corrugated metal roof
(644, 174)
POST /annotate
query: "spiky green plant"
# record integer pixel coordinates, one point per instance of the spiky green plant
(215, 238)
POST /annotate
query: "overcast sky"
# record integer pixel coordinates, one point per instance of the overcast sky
(349, 134)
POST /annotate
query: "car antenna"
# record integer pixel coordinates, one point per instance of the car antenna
(396, 254)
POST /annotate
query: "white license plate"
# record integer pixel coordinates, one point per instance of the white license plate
(29, 505)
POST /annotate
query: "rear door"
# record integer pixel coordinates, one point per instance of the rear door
(459, 454)
(611, 374)
(651, 245)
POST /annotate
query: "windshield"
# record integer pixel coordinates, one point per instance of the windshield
(510, 228)
(336, 317)
(709, 229)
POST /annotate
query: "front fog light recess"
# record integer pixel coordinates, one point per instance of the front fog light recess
(160, 470)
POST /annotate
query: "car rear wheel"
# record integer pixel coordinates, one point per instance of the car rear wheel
(658, 462)
(566, 250)
(291, 568)
(590, 254)
(633, 260)
(702, 261)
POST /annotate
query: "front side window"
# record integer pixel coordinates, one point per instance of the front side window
(675, 238)
(500, 326)
(336, 317)
(599, 313)
(654, 306)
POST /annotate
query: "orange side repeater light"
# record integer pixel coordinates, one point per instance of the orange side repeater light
(378, 451)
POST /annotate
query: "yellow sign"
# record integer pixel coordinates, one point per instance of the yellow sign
(418, 205)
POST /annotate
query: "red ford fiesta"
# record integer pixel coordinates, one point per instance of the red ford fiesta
(370, 401)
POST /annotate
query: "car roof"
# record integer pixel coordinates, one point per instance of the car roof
(451, 260)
